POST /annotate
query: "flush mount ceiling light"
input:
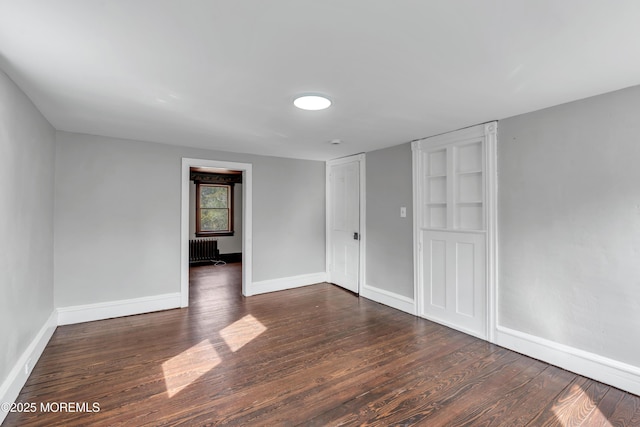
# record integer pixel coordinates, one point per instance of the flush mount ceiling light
(312, 102)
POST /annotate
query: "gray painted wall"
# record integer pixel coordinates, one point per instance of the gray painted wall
(26, 223)
(117, 217)
(569, 224)
(389, 237)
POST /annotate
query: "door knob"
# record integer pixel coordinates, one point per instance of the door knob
(356, 236)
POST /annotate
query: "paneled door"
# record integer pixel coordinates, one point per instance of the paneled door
(454, 228)
(343, 223)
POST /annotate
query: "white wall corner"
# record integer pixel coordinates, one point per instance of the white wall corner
(591, 365)
(274, 285)
(399, 302)
(10, 388)
(111, 309)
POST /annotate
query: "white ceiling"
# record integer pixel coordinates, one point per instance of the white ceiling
(222, 74)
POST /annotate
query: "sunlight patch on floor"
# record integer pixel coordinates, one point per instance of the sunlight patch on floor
(241, 332)
(201, 358)
(576, 406)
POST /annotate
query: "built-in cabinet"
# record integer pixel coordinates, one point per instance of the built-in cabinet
(453, 175)
(453, 187)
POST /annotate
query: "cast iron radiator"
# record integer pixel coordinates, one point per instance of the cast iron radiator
(203, 250)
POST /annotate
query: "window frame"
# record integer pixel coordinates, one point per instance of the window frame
(206, 233)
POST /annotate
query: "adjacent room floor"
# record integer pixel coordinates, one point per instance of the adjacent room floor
(313, 356)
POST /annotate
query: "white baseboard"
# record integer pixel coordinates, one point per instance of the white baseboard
(19, 374)
(600, 368)
(399, 302)
(111, 309)
(274, 285)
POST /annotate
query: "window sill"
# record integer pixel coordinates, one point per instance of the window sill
(215, 234)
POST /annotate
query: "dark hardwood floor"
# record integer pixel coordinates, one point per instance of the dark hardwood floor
(313, 356)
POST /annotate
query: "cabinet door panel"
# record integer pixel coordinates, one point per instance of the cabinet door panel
(453, 286)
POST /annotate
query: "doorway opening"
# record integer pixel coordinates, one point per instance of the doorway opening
(220, 224)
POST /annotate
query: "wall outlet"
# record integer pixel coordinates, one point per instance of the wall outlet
(403, 212)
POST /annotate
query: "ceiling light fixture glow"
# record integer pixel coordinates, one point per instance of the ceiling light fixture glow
(312, 102)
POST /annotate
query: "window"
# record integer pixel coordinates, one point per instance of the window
(214, 210)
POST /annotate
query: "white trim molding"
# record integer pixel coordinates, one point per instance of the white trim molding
(17, 378)
(600, 368)
(491, 242)
(417, 249)
(247, 221)
(391, 299)
(274, 285)
(111, 309)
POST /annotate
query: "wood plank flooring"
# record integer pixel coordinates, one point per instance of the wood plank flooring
(313, 356)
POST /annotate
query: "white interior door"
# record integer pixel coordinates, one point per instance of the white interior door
(454, 233)
(344, 237)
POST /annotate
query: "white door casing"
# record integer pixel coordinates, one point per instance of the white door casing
(454, 180)
(247, 221)
(345, 214)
